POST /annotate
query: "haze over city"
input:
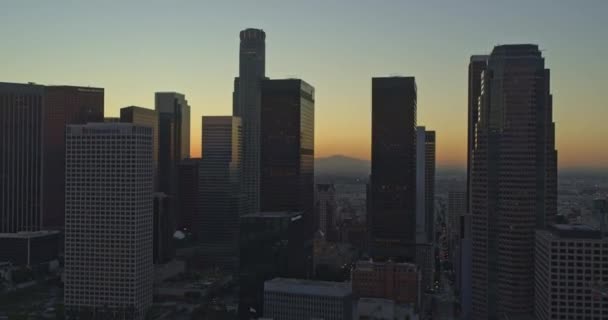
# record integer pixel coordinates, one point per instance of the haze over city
(135, 48)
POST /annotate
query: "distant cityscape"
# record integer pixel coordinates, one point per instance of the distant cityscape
(111, 218)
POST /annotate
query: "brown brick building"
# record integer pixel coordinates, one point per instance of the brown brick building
(388, 280)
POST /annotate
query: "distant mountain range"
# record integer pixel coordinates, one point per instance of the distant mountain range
(339, 165)
(345, 166)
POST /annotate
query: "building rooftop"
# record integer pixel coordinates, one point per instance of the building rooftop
(369, 264)
(576, 231)
(309, 287)
(273, 214)
(28, 234)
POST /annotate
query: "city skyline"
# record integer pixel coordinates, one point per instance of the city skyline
(404, 41)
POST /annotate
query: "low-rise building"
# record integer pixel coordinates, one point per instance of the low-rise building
(29, 248)
(387, 280)
(294, 299)
(384, 309)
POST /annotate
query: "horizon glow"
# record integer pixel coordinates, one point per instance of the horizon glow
(135, 48)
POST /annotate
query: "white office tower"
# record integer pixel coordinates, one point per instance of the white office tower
(109, 217)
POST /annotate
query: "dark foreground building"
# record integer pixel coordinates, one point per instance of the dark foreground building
(392, 212)
(287, 156)
(270, 247)
(221, 199)
(29, 248)
(64, 105)
(22, 110)
(513, 182)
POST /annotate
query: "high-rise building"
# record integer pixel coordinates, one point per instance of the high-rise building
(109, 219)
(477, 65)
(513, 179)
(164, 249)
(64, 105)
(148, 118)
(221, 198)
(22, 112)
(287, 155)
(173, 137)
(571, 273)
(295, 299)
(457, 207)
(287, 146)
(463, 266)
(326, 210)
(247, 106)
(270, 247)
(392, 216)
(425, 185)
(187, 206)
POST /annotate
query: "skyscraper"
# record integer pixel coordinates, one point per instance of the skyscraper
(221, 198)
(287, 155)
(174, 137)
(326, 210)
(270, 243)
(287, 146)
(22, 110)
(393, 175)
(148, 118)
(246, 105)
(163, 247)
(425, 185)
(513, 179)
(188, 171)
(109, 219)
(64, 105)
(477, 65)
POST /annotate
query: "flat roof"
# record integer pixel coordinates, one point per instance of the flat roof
(28, 234)
(309, 287)
(273, 214)
(576, 231)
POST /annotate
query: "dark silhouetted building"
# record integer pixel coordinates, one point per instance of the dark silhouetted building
(64, 105)
(174, 137)
(109, 219)
(145, 117)
(29, 248)
(477, 65)
(188, 198)
(270, 247)
(221, 198)
(163, 246)
(425, 185)
(463, 266)
(513, 180)
(392, 216)
(247, 106)
(22, 112)
(326, 209)
(287, 155)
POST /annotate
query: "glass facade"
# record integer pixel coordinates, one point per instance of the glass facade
(393, 176)
(287, 157)
(64, 105)
(513, 179)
